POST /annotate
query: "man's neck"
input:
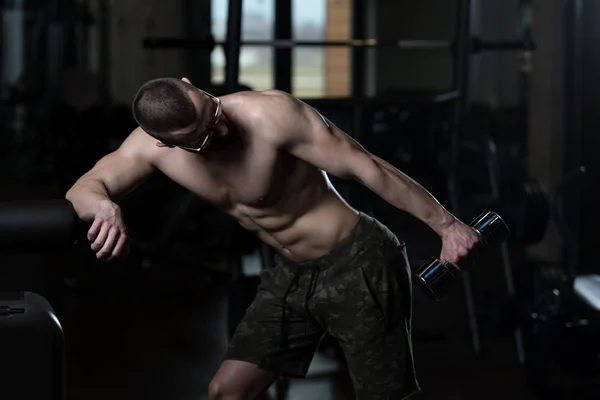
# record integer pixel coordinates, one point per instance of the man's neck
(223, 141)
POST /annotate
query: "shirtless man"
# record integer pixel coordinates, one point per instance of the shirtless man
(263, 157)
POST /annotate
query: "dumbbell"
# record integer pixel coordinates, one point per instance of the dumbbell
(435, 277)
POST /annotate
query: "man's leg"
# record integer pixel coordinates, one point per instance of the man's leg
(240, 380)
(372, 323)
(274, 337)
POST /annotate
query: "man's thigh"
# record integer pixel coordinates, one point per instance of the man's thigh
(382, 369)
(272, 334)
(371, 317)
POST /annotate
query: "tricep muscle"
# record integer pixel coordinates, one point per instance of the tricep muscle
(125, 168)
(319, 142)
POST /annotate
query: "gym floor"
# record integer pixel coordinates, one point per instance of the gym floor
(167, 346)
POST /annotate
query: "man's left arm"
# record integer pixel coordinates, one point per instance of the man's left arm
(312, 138)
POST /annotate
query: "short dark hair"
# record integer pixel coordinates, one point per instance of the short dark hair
(163, 105)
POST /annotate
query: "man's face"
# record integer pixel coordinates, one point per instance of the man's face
(197, 136)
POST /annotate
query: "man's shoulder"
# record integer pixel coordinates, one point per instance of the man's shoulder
(271, 103)
(281, 98)
(140, 144)
(263, 96)
(273, 116)
(138, 138)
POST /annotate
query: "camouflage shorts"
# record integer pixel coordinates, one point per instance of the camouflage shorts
(359, 293)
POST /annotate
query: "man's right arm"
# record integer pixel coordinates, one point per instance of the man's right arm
(114, 175)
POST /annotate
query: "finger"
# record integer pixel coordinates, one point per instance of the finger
(443, 257)
(109, 244)
(94, 229)
(475, 238)
(120, 249)
(101, 237)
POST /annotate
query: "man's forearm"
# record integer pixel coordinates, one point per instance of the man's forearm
(88, 196)
(404, 193)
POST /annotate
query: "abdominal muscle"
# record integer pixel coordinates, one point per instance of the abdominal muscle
(303, 227)
(295, 210)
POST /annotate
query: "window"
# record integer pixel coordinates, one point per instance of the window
(256, 63)
(308, 63)
(316, 71)
(322, 71)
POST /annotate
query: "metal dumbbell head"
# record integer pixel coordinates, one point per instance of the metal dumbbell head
(491, 228)
(433, 278)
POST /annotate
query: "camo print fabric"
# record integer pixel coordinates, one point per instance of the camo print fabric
(359, 293)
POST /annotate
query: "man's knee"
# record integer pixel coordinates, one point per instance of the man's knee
(239, 380)
(221, 389)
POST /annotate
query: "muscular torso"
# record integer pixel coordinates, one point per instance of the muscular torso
(286, 202)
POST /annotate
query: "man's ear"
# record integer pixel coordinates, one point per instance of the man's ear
(186, 80)
(161, 144)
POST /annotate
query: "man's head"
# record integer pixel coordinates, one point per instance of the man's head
(176, 113)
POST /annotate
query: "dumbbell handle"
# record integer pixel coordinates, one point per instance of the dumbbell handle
(435, 277)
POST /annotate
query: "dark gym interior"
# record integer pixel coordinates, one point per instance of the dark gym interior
(489, 104)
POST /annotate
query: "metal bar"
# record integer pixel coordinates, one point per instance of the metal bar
(502, 45)
(104, 53)
(574, 141)
(180, 43)
(403, 98)
(492, 166)
(234, 39)
(358, 53)
(283, 55)
(196, 24)
(358, 77)
(402, 44)
(189, 43)
(477, 45)
(68, 18)
(462, 56)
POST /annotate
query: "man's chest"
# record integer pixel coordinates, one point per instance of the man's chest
(252, 177)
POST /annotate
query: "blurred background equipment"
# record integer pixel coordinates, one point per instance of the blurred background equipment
(442, 90)
(33, 354)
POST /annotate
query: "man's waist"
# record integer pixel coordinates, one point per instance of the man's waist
(321, 242)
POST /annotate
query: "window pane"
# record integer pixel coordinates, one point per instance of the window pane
(256, 63)
(308, 69)
(309, 18)
(339, 71)
(256, 67)
(308, 79)
(257, 19)
(321, 71)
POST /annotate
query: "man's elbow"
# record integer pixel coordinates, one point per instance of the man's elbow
(87, 184)
(367, 172)
(71, 193)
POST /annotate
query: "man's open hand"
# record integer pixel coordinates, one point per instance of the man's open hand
(108, 234)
